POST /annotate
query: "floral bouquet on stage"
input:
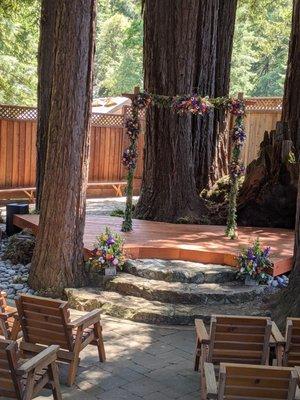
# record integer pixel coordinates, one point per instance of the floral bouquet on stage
(254, 264)
(107, 255)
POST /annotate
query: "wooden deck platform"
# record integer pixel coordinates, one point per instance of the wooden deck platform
(202, 243)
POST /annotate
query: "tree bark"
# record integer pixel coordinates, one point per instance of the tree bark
(204, 81)
(226, 26)
(45, 73)
(58, 257)
(289, 300)
(168, 187)
(214, 51)
(291, 99)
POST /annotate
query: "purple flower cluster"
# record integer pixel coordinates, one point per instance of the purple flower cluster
(236, 107)
(194, 105)
(236, 170)
(238, 135)
(141, 100)
(133, 128)
(255, 261)
(129, 159)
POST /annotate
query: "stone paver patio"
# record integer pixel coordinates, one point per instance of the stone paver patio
(143, 362)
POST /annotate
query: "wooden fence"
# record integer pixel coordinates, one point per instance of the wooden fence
(262, 115)
(18, 150)
(108, 140)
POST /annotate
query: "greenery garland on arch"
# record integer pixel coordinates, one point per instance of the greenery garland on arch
(196, 105)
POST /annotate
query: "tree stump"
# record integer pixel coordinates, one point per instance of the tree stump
(268, 196)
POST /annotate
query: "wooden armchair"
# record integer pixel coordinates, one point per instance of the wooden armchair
(291, 344)
(244, 340)
(9, 323)
(240, 381)
(46, 321)
(25, 380)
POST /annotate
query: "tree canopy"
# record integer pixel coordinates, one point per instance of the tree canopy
(258, 64)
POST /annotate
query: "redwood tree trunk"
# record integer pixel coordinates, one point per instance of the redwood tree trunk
(214, 51)
(226, 25)
(290, 299)
(204, 82)
(45, 73)
(168, 188)
(291, 100)
(58, 257)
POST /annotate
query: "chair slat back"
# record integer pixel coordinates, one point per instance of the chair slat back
(256, 382)
(10, 384)
(292, 349)
(239, 339)
(44, 321)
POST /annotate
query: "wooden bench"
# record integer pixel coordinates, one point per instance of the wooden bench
(118, 186)
(27, 193)
(234, 339)
(239, 381)
(9, 323)
(24, 380)
(46, 321)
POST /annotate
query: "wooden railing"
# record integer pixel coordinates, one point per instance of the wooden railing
(108, 140)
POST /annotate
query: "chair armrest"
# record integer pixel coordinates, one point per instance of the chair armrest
(41, 360)
(278, 337)
(7, 314)
(210, 380)
(86, 320)
(201, 331)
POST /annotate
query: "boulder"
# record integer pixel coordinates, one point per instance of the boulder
(19, 248)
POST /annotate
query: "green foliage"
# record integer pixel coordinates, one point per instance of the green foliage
(18, 51)
(219, 192)
(261, 47)
(258, 65)
(119, 43)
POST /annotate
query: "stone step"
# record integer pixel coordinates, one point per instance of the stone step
(180, 271)
(185, 293)
(153, 312)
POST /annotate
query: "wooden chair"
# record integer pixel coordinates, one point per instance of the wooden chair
(9, 323)
(46, 321)
(244, 340)
(25, 380)
(291, 343)
(240, 381)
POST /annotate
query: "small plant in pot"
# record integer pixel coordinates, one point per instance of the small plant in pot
(107, 255)
(255, 265)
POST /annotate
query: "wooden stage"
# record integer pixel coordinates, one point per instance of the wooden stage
(202, 243)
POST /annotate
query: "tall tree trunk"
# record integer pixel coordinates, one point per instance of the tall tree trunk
(226, 25)
(269, 193)
(58, 257)
(45, 73)
(204, 81)
(289, 302)
(291, 99)
(214, 51)
(168, 188)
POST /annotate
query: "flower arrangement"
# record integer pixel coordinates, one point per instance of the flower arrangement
(108, 251)
(191, 104)
(129, 159)
(254, 262)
